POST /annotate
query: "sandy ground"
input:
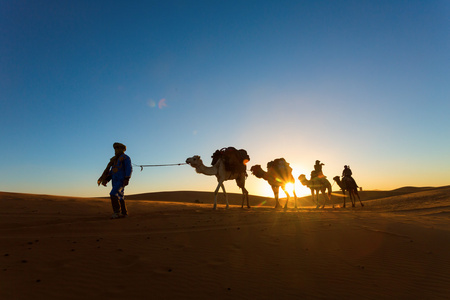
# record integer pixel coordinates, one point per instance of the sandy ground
(54, 247)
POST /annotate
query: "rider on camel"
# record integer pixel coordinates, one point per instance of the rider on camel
(317, 170)
(347, 173)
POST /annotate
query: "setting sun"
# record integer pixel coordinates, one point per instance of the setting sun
(266, 190)
(290, 188)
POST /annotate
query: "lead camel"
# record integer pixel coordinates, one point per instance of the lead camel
(219, 170)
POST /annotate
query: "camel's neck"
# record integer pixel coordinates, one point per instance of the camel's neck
(210, 171)
(307, 182)
(265, 175)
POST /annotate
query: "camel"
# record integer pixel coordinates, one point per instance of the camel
(278, 174)
(317, 185)
(350, 186)
(218, 169)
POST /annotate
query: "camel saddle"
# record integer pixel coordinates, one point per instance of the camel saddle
(235, 160)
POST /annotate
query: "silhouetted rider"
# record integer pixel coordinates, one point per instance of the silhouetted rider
(347, 175)
(317, 170)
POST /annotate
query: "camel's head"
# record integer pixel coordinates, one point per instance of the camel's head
(257, 171)
(336, 178)
(194, 161)
(303, 179)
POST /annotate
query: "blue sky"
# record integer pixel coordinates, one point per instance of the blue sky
(364, 83)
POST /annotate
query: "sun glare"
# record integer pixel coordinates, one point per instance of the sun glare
(290, 188)
(300, 191)
(263, 188)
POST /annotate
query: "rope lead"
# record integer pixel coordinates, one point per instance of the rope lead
(165, 165)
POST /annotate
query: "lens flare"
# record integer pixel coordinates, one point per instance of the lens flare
(151, 103)
(162, 103)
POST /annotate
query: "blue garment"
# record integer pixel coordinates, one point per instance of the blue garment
(120, 170)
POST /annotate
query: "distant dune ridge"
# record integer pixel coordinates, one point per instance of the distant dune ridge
(236, 199)
(174, 245)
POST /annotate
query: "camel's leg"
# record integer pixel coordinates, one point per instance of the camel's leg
(317, 199)
(314, 198)
(329, 199)
(240, 181)
(357, 194)
(343, 192)
(216, 192)
(287, 196)
(352, 197)
(324, 197)
(295, 199)
(275, 190)
(225, 193)
(244, 196)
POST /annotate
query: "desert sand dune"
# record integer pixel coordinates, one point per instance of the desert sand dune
(174, 246)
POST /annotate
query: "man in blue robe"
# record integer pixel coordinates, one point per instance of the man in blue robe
(119, 169)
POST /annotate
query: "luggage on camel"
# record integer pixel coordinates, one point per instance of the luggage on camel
(282, 168)
(235, 160)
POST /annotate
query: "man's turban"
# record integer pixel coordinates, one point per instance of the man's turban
(119, 146)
